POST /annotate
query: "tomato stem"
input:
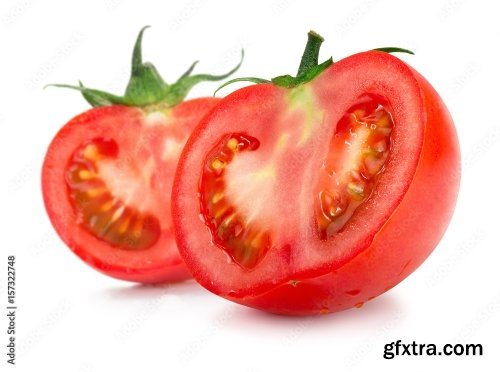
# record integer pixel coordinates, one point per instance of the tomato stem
(309, 67)
(311, 52)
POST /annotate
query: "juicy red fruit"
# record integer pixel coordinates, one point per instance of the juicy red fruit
(350, 188)
(106, 183)
(108, 174)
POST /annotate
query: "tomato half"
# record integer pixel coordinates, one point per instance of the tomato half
(317, 197)
(106, 182)
(108, 174)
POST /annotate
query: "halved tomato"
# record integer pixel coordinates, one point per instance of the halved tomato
(108, 174)
(314, 194)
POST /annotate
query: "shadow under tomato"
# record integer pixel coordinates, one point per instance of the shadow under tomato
(241, 318)
(377, 311)
(129, 291)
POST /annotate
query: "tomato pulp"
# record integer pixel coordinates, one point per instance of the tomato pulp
(108, 174)
(316, 197)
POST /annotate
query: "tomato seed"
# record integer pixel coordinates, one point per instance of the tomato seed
(245, 244)
(358, 152)
(99, 212)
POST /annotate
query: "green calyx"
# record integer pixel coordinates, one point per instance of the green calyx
(309, 67)
(146, 87)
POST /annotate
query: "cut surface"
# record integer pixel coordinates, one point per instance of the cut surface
(241, 237)
(114, 219)
(358, 152)
(319, 200)
(107, 180)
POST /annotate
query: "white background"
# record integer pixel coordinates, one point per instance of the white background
(71, 318)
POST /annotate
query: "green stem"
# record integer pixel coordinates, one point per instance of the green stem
(309, 67)
(311, 53)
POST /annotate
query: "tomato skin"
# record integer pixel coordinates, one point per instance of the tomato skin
(159, 263)
(396, 249)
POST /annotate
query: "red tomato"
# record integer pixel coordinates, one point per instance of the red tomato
(108, 174)
(318, 196)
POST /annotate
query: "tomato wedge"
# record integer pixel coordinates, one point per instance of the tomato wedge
(108, 174)
(313, 194)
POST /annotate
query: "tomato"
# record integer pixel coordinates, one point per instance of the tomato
(316, 193)
(108, 174)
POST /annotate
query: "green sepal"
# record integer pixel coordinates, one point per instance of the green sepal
(249, 79)
(146, 86)
(394, 50)
(288, 81)
(285, 81)
(93, 96)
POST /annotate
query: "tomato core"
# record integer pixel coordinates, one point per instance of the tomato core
(100, 212)
(358, 152)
